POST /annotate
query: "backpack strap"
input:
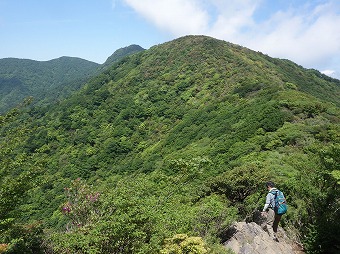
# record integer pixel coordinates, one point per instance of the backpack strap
(274, 192)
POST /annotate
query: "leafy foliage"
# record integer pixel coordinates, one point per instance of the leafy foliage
(49, 81)
(176, 140)
(45, 81)
(121, 53)
(181, 243)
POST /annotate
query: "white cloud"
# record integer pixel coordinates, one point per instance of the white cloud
(211, 17)
(232, 17)
(179, 17)
(307, 34)
(310, 38)
(330, 73)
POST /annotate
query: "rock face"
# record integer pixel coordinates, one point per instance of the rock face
(250, 238)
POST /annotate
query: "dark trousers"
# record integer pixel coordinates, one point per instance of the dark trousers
(272, 222)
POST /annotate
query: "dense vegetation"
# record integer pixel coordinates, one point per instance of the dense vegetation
(121, 53)
(45, 81)
(162, 151)
(49, 81)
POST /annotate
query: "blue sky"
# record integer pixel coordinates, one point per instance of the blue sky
(304, 31)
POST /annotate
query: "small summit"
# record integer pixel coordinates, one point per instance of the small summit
(121, 53)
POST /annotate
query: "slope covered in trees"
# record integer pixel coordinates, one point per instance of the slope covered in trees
(49, 81)
(171, 144)
(121, 53)
(45, 81)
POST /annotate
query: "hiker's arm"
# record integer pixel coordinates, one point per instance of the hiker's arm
(266, 206)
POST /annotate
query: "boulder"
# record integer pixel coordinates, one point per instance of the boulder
(251, 238)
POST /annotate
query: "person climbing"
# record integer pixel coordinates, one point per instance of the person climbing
(273, 209)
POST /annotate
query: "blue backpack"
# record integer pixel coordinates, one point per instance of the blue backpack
(280, 202)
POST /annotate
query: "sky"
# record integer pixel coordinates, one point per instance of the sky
(304, 31)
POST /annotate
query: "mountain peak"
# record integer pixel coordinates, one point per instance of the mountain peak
(122, 52)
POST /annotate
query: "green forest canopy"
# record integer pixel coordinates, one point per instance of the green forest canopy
(177, 139)
(49, 81)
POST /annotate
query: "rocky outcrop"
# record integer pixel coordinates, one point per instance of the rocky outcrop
(251, 238)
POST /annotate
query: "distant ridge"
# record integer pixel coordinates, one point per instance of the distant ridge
(45, 81)
(49, 81)
(121, 53)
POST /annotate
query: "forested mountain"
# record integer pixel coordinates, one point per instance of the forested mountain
(48, 81)
(121, 53)
(171, 145)
(43, 80)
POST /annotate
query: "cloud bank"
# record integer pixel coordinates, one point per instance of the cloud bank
(307, 32)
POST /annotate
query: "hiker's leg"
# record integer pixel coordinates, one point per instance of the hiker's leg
(276, 222)
(270, 221)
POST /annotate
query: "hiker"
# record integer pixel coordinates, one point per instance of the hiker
(270, 209)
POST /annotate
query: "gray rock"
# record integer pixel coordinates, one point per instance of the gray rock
(251, 238)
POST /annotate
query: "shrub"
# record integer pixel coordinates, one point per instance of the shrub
(182, 243)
